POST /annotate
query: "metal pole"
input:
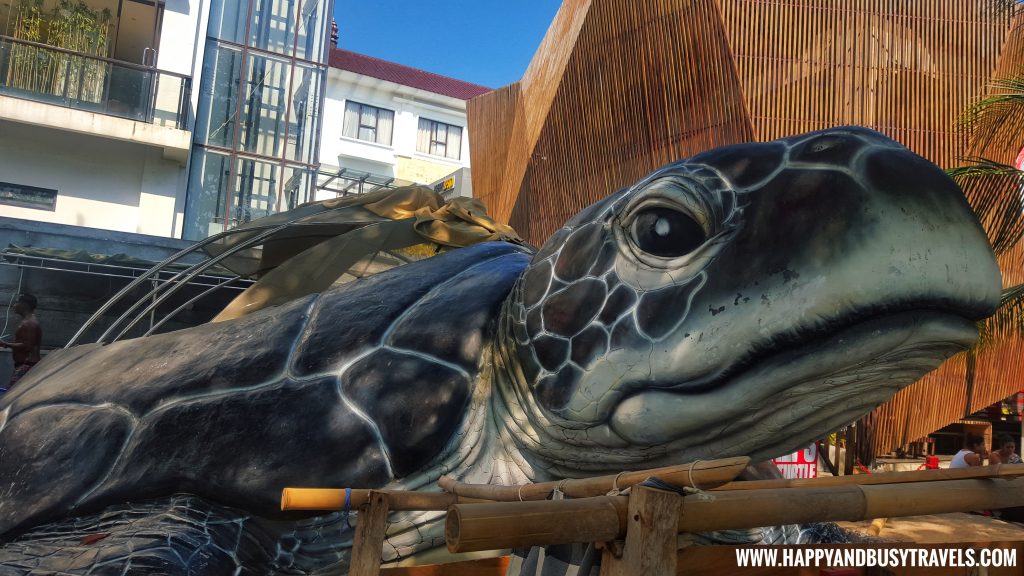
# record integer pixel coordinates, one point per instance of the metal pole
(192, 300)
(149, 274)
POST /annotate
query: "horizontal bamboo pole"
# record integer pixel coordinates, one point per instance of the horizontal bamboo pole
(705, 474)
(702, 475)
(334, 499)
(478, 527)
(993, 471)
(494, 526)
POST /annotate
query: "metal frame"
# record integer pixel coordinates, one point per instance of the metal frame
(95, 269)
(212, 283)
(166, 288)
(354, 179)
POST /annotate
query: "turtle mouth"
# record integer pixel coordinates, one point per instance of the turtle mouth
(780, 401)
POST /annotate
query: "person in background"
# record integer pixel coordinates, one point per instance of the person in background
(28, 338)
(973, 453)
(1006, 454)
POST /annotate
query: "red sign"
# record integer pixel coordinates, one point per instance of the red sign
(801, 464)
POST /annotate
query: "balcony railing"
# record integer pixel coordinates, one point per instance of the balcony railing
(51, 75)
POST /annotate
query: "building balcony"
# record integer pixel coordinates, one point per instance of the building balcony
(66, 90)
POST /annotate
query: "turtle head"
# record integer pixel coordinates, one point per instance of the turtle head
(751, 298)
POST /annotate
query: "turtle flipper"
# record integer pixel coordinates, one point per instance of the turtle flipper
(180, 535)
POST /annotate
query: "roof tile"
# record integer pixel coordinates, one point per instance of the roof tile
(405, 75)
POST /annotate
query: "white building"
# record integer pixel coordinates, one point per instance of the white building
(97, 133)
(164, 118)
(137, 126)
(385, 124)
(183, 117)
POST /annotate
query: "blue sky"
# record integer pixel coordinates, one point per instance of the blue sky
(483, 41)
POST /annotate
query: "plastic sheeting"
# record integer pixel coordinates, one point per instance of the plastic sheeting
(324, 243)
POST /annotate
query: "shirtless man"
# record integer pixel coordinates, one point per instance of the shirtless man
(27, 338)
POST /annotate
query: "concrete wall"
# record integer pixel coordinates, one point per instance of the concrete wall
(100, 183)
(422, 171)
(36, 234)
(399, 160)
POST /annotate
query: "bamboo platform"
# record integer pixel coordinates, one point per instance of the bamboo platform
(638, 526)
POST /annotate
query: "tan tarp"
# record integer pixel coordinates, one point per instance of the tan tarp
(332, 241)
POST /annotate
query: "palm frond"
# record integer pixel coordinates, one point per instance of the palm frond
(998, 117)
(1004, 6)
(1007, 321)
(979, 166)
(994, 190)
(1003, 9)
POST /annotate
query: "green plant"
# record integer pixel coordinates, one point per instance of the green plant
(72, 26)
(27, 63)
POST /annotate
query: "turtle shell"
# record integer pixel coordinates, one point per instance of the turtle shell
(358, 386)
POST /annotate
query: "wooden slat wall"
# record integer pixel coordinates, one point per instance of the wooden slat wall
(643, 83)
(490, 139)
(668, 89)
(906, 69)
(536, 92)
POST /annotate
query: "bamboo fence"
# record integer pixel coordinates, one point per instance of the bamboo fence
(636, 525)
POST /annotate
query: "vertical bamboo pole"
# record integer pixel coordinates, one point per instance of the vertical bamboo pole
(650, 535)
(840, 442)
(851, 449)
(369, 540)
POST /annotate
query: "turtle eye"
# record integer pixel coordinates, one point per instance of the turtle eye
(665, 232)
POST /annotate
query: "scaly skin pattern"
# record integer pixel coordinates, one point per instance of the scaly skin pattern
(742, 302)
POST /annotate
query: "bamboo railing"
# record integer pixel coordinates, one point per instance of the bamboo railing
(645, 520)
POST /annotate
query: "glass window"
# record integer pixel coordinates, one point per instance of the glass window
(222, 72)
(227, 20)
(314, 29)
(263, 111)
(257, 190)
(208, 189)
(273, 25)
(261, 102)
(304, 114)
(368, 123)
(439, 139)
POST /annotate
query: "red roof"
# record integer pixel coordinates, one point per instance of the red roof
(399, 74)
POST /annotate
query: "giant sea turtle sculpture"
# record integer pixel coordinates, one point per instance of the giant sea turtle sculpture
(741, 302)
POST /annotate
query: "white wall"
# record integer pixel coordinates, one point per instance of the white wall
(183, 40)
(409, 104)
(100, 183)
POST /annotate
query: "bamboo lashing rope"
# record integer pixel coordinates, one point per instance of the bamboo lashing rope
(702, 475)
